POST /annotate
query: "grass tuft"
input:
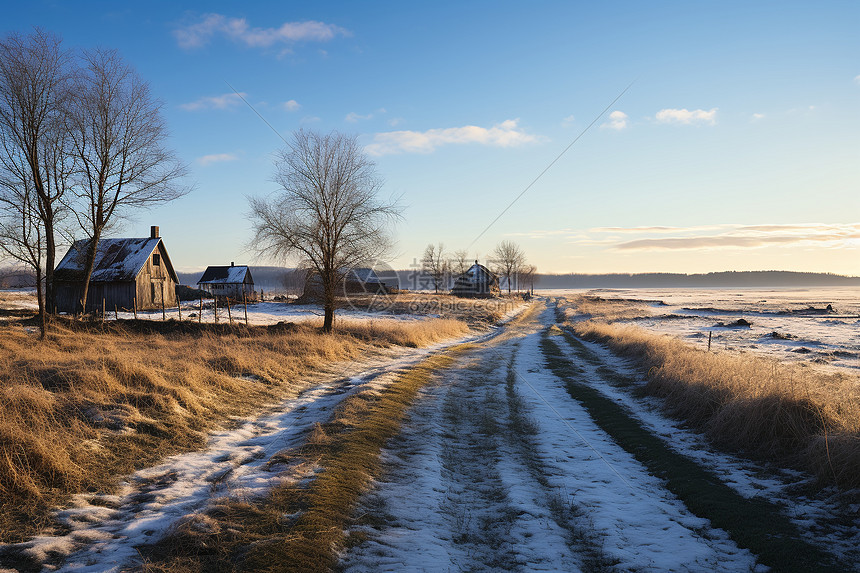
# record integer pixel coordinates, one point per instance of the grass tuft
(96, 401)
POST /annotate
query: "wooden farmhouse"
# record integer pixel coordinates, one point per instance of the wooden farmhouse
(478, 281)
(231, 282)
(128, 273)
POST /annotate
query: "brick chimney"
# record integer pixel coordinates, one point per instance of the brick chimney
(153, 232)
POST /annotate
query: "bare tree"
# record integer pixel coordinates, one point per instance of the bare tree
(435, 264)
(327, 214)
(460, 262)
(508, 257)
(118, 137)
(34, 160)
(528, 277)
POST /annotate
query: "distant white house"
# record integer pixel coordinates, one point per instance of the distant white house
(478, 281)
(228, 282)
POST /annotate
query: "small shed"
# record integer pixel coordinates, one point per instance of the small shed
(478, 281)
(126, 273)
(231, 282)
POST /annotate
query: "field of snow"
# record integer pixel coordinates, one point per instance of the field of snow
(787, 324)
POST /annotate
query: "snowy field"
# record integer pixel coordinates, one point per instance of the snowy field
(787, 324)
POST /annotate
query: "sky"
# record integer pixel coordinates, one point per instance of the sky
(734, 147)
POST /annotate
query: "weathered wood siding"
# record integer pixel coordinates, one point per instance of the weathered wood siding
(153, 281)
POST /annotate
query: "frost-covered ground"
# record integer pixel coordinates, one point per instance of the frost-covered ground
(105, 529)
(498, 468)
(788, 324)
(258, 313)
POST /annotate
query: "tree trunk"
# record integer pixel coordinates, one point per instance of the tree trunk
(50, 258)
(328, 304)
(92, 250)
(41, 298)
(328, 321)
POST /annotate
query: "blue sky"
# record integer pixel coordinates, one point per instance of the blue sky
(736, 147)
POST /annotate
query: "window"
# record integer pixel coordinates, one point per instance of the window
(156, 260)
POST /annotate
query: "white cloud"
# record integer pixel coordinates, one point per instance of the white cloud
(568, 121)
(238, 30)
(687, 117)
(505, 134)
(395, 121)
(353, 117)
(216, 158)
(857, 79)
(225, 101)
(617, 121)
(292, 105)
(753, 236)
(757, 117)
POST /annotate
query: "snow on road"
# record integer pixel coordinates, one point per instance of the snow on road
(499, 468)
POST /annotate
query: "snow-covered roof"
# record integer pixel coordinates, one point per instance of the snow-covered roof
(364, 275)
(478, 272)
(116, 260)
(226, 275)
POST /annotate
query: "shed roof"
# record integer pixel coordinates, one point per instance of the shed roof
(226, 275)
(116, 260)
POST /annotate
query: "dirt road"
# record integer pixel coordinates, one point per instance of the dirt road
(532, 453)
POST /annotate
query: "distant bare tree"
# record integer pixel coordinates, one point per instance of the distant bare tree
(327, 214)
(118, 136)
(34, 160)
(528, 277)
(508, 257)
(460, 262)
(435, 264)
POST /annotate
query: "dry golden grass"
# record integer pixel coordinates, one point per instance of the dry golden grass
(256, 536)
(475, 311)
(96, 401)
(773, 410)
(605, 309)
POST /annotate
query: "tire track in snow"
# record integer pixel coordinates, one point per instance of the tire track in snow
(457, 494)
(460, 469)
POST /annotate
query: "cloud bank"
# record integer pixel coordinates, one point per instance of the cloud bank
(216, 158)
(505, 134)
(225, 101)
(238, 30)
(617, 121)
(687, 117)
(750, 237)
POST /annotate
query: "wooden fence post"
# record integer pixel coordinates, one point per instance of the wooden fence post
(103, 310)
(215, 307)
(115, 313)
(163, 310)
(200, 314)
(229, 314)
(134, 306)
(709, 339)
(245, 302)
(179, 308)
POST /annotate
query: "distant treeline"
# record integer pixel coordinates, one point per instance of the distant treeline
(281, 278)
(720, 279)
